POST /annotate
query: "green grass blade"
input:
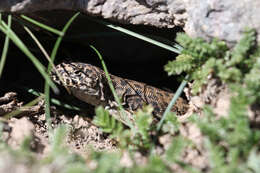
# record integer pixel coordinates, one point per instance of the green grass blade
(39, 45)
(54, 101)
(172, 102)
(44, 53)
(139, 36)
(112, 87)
(42, 49)
(56, 46)
(43, 26)
(108, 77)
(53, 55)
(6, 45)
(17, 41)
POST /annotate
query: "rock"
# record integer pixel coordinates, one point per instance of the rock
(225, 20)
(159, 13)
(21, 128)
(199, 18)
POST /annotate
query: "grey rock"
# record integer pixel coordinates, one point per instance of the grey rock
(156, 13)
(199, 18)
(223, 19)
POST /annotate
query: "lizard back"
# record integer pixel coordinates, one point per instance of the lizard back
(89, 84)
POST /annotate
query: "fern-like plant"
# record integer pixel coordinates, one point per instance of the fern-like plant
(200, 59)
(107, 123)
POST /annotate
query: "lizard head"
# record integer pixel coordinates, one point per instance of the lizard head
(81, 79)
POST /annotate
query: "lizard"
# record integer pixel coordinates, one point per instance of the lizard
(88, 83)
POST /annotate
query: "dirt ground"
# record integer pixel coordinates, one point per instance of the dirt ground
(83, 134)
(31, 121)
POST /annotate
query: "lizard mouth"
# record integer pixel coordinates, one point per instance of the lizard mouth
(89, 96)
(86, 91)
(92, 92)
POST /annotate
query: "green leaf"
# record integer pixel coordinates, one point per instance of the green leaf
(143, 119)
(183, 63)
(241, 50)
(108, 162)
(176, 48)
(76, 167)
(173, 153)
(155, 164)
(57, 138)
(106, 122)
(216, 156)
(43, 26)
(171, 124)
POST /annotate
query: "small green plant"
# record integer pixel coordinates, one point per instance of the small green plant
(155, 164)
(142, 136)
(232, 144)
(107, 123)
(107, 162)
(229, 140)
(171, 124)
(138, 137)
(200, 59)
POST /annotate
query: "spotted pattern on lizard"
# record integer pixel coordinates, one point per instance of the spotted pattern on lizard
(89, 84)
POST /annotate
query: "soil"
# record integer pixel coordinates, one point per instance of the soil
(31, 121)
(82, 133)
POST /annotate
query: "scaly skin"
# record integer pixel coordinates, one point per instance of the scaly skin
(89, 84)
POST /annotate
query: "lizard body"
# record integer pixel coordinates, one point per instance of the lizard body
(89, 84)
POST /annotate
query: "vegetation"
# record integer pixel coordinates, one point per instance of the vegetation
(231, 143)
